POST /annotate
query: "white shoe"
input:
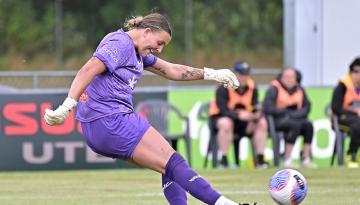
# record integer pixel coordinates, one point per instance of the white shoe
(224, 201)
(290, 164)
(307, 163)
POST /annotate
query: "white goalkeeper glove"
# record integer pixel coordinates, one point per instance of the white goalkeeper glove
(224, 76)
(55, 117)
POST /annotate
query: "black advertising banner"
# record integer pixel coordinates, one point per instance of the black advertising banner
(28, 143)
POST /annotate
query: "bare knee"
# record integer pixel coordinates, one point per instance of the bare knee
(225, 124)
(262, 124)
(163, 159)
(153, 151)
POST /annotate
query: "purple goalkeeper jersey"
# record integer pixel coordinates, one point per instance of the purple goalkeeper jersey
(111, 92)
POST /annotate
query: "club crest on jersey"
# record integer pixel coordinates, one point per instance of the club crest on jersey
(84, 97)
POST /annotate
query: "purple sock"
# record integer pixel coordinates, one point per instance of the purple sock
(173, 192)
(179, 171)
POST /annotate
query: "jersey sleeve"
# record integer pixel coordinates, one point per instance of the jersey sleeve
(149, 60)
(114, 53)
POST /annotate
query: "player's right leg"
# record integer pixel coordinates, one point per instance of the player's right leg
(155, 153)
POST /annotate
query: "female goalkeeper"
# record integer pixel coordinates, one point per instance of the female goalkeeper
(104, 87)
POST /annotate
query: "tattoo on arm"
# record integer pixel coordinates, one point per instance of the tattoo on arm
(160, 70)
(192, 73)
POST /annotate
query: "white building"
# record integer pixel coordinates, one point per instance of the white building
(321, 38)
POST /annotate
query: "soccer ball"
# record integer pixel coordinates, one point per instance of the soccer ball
(288, 187)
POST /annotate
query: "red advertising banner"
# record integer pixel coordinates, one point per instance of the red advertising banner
(28, 143)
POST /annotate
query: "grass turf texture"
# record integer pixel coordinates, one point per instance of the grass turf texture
(122, 187)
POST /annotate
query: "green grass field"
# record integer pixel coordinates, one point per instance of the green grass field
(137, 186)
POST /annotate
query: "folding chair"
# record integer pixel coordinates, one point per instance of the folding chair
(157, 113)
(340, 135)
(203, 114)
(276, 137)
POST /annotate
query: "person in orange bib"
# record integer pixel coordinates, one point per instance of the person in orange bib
(237, 111)
(345, 104)
(287, 102)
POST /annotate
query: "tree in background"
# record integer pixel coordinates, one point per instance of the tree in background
(27, 28)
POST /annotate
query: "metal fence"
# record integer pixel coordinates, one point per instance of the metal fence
(58, 80)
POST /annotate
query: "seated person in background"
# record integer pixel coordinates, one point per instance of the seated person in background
(345, 104)
(287, 102)
(237, 111)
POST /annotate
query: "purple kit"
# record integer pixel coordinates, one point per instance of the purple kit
(105, 109)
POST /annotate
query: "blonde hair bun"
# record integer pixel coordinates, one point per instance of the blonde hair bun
(133, 22)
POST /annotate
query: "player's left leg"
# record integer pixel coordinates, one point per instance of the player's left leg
(174, 193)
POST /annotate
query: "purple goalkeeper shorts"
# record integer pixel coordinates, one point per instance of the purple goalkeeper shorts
(115, 136)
